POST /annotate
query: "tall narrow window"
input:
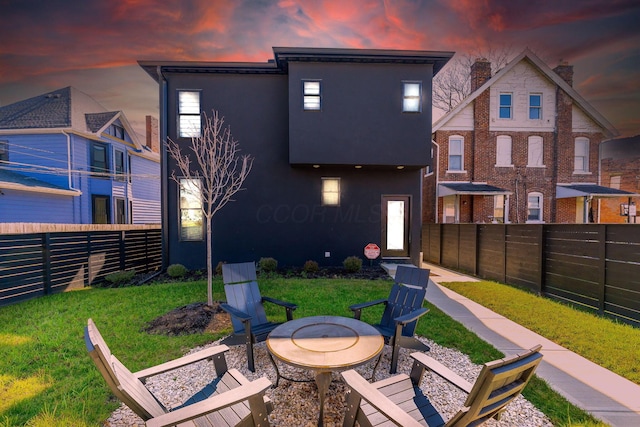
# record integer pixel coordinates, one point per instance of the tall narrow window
(581, 156)
(119, 165)
(534, 207)
(412, 97)
(498, 208)
(503, 151)
(331, 191)
(191, 217)
(456, 150)
(121, 212)
(189, 123)
(449, 206)
(311, 95)
(100, 209)
(4, 151)
(506, 106)
(99, 159)
(535, 106)
(534, 151)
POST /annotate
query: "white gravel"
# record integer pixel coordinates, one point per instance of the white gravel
(296, 404)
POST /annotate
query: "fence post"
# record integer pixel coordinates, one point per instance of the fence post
(46, 263)
(89, 267)
(122, 250)
(541, 257)
(602, 266)
(476, 254)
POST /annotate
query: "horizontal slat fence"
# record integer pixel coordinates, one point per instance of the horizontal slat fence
(37, 264)
(594, 266)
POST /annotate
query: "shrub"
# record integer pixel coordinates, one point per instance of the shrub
(310, 267)
(352, 264)
(219, 268)
(177, 270)
(268, 265)
(120, 278)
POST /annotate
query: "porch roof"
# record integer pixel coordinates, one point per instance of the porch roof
(460, 188)
(586, 190)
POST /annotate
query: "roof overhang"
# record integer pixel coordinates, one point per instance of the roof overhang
(470, 188)
(39, 189)
(590, 190)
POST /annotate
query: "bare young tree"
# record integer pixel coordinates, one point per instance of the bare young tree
(453, 83)
(217, 167)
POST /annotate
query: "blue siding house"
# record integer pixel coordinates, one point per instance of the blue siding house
(65, 159)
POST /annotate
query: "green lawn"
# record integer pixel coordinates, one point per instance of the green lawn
(47, 378)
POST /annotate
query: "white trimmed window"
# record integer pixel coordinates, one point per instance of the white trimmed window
(311, 95)
(535, 106)
(412, 97)
(534, 207)
(506, 106)
(498, 208)
(615, 182)
(330, 191)
(191, 217)
(189, 122)
(534, 151)
(581, 155)
(503, 151)
(456, 153)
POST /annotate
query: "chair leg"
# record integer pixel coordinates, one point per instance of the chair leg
(395, 352)
(250, 360)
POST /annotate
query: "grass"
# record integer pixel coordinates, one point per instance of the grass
(47, 378)
(611, 344)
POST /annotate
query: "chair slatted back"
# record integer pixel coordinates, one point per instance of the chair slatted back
(406, 275)
(402, 300)
(241, 272)
(497, 385)
(246, 297)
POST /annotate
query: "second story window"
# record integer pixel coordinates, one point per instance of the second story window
(311, 95)
(117, 131)
(412, 97)
(456, 150)
(534, 151)
(506, 106)
(4, 151)
(99, 159)
(535, 106)
(119, 165)
(503, 151)
(330, 191)
(615, 182)
(581, 155)
(189, 123)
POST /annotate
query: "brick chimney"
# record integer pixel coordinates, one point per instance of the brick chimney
(480, 73)
(565, 71)
(153, 138)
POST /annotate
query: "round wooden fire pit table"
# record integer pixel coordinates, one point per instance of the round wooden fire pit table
(324, 344)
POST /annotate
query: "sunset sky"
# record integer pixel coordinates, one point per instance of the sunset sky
(93, 45)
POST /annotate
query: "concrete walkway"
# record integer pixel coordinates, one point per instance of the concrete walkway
(606, 395)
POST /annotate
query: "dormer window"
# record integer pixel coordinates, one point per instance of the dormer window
(311, 95)
(117, 131)
(4, 151)
(412, 97)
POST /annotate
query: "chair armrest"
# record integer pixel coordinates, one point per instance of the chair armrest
(182, 361)
(280, 302)
(378, 400)
(410, 317)
(235, 312)
(442, 371)
(362, 305)
(212, 404)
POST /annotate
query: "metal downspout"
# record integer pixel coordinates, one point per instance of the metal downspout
(436, 172)
(164, 215)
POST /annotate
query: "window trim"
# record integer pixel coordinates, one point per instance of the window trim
(311, 96)
(406, 98)
(122, 175)
(99, 172)
(587, 145)
(530, 139)
(499, 208)
(540, 207)
(453, 138)
(192, 115)
(180, 209)
(107, 200)
(509, 106)
(325, 192)
(537, 108)
(124, 212)
(505, 138)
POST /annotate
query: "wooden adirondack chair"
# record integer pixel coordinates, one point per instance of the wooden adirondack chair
(400, 401)
(402, 310)
(229, 400)
(245, 305)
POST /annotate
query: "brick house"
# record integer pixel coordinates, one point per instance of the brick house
(522, 147)
(620, 169)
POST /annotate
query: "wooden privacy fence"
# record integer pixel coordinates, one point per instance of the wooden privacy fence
(595, 266)
(38, 264)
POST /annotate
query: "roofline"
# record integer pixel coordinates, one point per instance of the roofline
(609, 130)
(284, 55)
(38, 189)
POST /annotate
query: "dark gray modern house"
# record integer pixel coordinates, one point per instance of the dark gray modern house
(339, 136)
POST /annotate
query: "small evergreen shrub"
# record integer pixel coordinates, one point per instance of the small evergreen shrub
(177, 271)
(120, 278)
(268, 265)
(310, 267)
(352, 264)
(219, 268)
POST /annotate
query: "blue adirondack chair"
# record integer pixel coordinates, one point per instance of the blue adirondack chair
(245, 305)
(402, 310)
